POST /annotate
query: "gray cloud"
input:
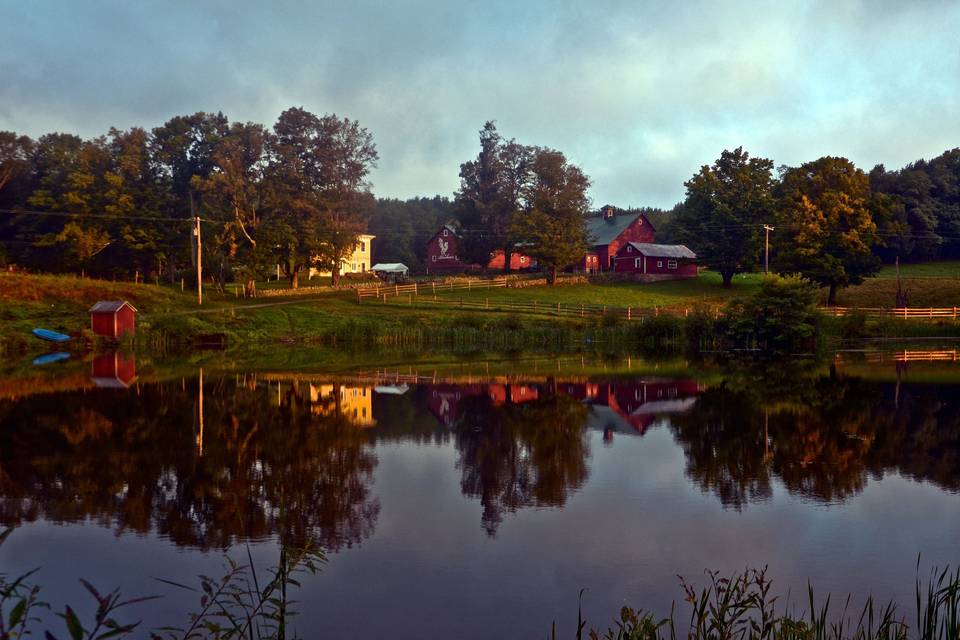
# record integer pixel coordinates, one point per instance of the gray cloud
(640, 95)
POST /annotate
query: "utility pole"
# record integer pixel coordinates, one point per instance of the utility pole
(766, 249)
(199, 245)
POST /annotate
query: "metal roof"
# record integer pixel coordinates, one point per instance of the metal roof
(605, 230)
(390, 267)
(663, 250)
(110, 306)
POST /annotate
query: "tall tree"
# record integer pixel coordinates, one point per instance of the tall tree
(320, 167)
(15, 152)
(491, 195)
(553, 228)
(826, 231)
(726, 207)
(233, 195)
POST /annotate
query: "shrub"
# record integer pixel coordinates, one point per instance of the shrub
(780, 318)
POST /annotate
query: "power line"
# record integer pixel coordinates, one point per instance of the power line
(96, 216)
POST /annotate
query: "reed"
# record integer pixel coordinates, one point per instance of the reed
(743, 607)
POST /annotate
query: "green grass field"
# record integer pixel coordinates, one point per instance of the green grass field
(675, 294)
(944, 269)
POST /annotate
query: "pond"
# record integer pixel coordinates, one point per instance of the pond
(478, 506)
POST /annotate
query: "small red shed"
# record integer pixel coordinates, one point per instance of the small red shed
(113, 318)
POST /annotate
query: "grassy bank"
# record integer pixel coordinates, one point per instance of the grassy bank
(170, 319)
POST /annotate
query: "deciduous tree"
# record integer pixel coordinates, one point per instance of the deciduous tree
(826, 231)
(726, 207)
(553, 228)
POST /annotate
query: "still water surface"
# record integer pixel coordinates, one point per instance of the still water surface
(480, 509)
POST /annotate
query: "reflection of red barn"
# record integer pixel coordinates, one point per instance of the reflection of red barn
(639, 403)
(113, 370)
(112, 318)
(443, 401)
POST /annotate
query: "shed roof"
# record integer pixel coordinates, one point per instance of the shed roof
(604, 230)
(663, 250)
(110, 306)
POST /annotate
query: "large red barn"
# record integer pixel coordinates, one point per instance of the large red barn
(113, 318)
(608, 232)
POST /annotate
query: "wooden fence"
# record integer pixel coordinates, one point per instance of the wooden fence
(915, 313)
(385, 292)
(563, 309)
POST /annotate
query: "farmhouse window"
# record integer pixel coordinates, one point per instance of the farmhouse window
(671, 264)
(659, 263)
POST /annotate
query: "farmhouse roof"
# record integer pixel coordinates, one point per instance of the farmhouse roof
(663, 250)
(110, 306)
(604, 230)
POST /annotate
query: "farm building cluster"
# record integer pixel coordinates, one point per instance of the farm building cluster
(621, 243)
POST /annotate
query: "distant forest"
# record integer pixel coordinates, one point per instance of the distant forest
(297, 194)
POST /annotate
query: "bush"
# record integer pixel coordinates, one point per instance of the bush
(780, 318)
(853, 326)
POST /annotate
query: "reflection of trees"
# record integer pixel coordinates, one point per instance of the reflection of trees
(820, 434)
(520, 455)
(132, 461)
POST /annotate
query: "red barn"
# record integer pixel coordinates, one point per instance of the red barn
(674, 260)
(113, 371)
(609, 232)
(443, 255)
(113, 318)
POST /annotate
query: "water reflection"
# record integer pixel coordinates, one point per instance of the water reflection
(209, 461)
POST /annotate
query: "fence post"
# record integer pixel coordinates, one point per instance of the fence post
(433, 287)
(396, 289)
(486, 302)
(534, 306)
(629, 313)
(581, 309)
(558, 308)
(468, 285)
(359, 297)
(416, 292)
(954, 313)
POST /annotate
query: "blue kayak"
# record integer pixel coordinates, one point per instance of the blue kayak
(51, 336)
(48, 358)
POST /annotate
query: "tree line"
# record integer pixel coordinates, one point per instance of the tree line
(297, 195)
(294, 195)
(832, 222)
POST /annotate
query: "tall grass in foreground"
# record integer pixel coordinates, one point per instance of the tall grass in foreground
(742, 607)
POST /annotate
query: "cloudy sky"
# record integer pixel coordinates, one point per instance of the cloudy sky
(640, 94)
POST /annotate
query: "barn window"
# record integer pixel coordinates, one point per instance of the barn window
(637, 263)
(629, 248)
(523, 259)
(671, 264)
(445, 233)
(433, 258)
(659, 263)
